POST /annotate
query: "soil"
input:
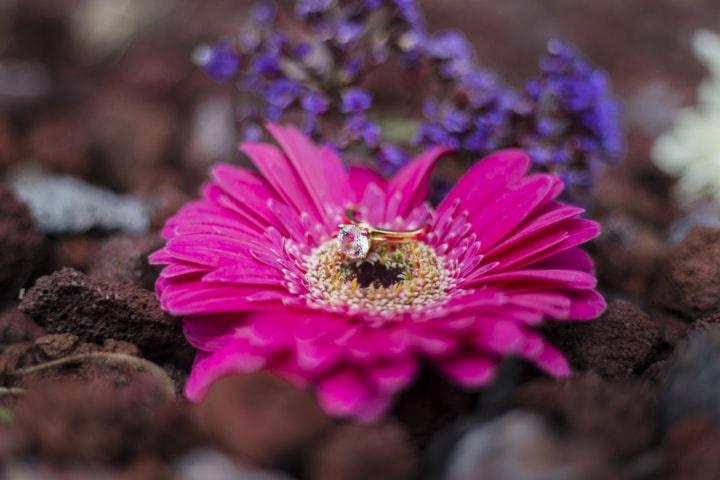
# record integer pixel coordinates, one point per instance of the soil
(92, 369)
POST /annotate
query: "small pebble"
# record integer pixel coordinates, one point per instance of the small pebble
(522, 446)
(690, 386)
(209, 464)
(64, 205)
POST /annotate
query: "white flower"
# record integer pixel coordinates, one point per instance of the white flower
(691, 149)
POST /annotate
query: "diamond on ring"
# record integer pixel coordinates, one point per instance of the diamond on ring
(353, 241)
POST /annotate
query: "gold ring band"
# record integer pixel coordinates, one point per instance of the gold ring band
(384, 233)
(356, 238)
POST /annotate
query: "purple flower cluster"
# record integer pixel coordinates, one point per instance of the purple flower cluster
(311, 73)
(567, 119)
(471, 110)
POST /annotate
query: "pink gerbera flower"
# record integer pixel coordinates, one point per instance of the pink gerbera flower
(255, 269)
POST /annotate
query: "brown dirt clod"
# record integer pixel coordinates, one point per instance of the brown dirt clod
(620, 416)
(68, 301)
(261, 419)
(616, 346)
(688, 282)
(358, 452)
(20, 243)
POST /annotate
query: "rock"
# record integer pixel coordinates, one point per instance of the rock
(616, 346)
(707, 322)
(431, 404)
(24, 82)
(60, 143)
(100, 29)
(688, 283)
(68, 301)
(522, 446)
(208, 464)
(133, 136)
(17, 327)
(691, 448)
(641, 194)
(146, 469)
(619, 416)
(690, 385)
(165, 200)
(702, 213)
(75, 251)
(68, 421)
(57, 346)
(60, 345)
(64, 205)
(261, 419)
(359, 452)
(20, 244)
(627, 253)
(8, 145)
(16, 356)
(118, 346)
(655, 372)
(123, 259)
(212, 135)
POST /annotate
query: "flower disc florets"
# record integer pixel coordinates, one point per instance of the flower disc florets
(393, 279)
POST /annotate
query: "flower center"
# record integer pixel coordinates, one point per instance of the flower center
(392, 279)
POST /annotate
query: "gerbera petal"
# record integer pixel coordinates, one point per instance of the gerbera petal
(554, 305)
(361, 178)
(245, 187)
(279, 172)
(246, 272)
(175, 270)
(502, 337)
(586, 305)
(544, 355)
(469, 369)
(494, 220)
(433, 343)
(411, 185)
(393, 376)
(244, 214)
(549, 278)
(320, 170)
(535, 225)
(574, 258)
(194, 297)
(344, 392)
(487, 179)
(374, 408)
(318, 356)
(565, 235)
(236, 357)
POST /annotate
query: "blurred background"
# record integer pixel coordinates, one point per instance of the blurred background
(106, 88)
(107, 128)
